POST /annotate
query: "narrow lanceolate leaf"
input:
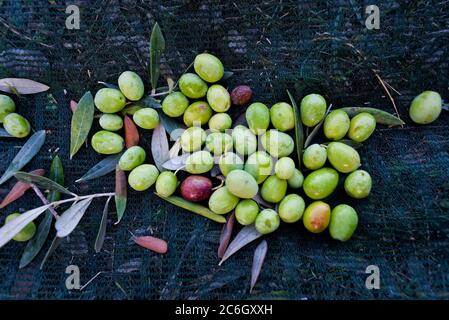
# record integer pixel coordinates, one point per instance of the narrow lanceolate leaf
(382, 117)
(102, 230)
(151, 243)
(174, 150)
(259, 257)
(149, 102)
(157, 47)
(159, 147)
(176, 163)
(262, 202)
(105, 166)
(19, 190)
(42, 182)
(194, 207)
(26, 153)
(34, 246)
(247, 235)
(81, 123)
(130, 110)
(9, 230)
(73, 105)
(68, 221)
(22, 86)
(227, 74)
(317, 128)
(299, 131)
(349, 142)
(173, 128)
(4, 134)
(54, 245)
(108, 85)
(120, 193)
(132, 137)
(226, 235)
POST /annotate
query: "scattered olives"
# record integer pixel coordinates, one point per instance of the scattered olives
(105, 142)
(192, 139)
(426, 107)
(196, 188)
(192, 86)
(273, 189)
(109, 100)
(166, 183)
(291, 208)
(218, 98)
(132, 158)
(241, 95)
(358, 184)
(228, 162)
(285, 168)
(175, 104)
(198, 113)
(220, 122)
(343, 222)
(246, 212)
(245, 142)
(111, 122)
(143, 177)
(131, 85)
(336, 125)
(258, 117)
(312, 109)
(267, 221)
(259, 165)
(282, 117)
(208, 67)
(7, 106)
(199, 162)
(344, 158)
(241, 184)
(296, 180)
(26, 233)
(317, 216)
(314, 157)
(16, 125)
(146, 118)
(320, 183)
(362, 126)
(278, 144)
(222, 201)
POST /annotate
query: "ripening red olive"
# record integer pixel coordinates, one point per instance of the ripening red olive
(196, 188)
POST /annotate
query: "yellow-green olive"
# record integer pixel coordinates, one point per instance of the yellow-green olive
(277, 143)
(146, 118)
(259, 165)
(426, 107)
(222, 201)
(133, 157)
(109, 100)
(285, 168)
(199, 162)
(358, 184)
(192, 86)
(143, 177)
(312, 109)
(175, 104)
(336, 125)
(267, 221)
(282, 117)
(344, 158)
(291, 208)
(105, 142)
(317, 216)
(246, 212)
(220, 122)
(197, 114)
(131, 85)
(218, 98)
(166, 183)
(273, 189)
(7, 106)
(111, 122)
(296, 180)
(314, 157)
(26, 233)
(228, 162)
(208, 67)
(343, 222)
(241, 184)
(258, 117)
(218, 143)
(320, 183)
(16, 125)
(192, 139)
(245, 142)
(362, 126)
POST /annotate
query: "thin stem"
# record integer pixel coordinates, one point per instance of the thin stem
(160, 94)
(44, 200)
(77, 198)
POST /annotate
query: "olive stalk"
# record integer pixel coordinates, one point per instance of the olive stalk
(44, 200)
(78, 198)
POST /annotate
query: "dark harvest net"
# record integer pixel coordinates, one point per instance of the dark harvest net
(306, 46)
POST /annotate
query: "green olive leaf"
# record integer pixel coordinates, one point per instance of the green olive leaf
(81, 123)
(22, 86)
(258, 259)
(176, 163)
(149, 102)
(160, 147)
(120, 193)
(382, 117)
(54, 245)
(102, 229)
(105, 166)
(41, 182)
(26, 153)
(227, 75)
(173, 128)
(247, 235)
(316, 129)
(157, 47)
(70, 218)
(109, 85)
(4, 134)
(299, 131)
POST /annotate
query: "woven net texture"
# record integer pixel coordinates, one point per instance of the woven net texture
(304, 46)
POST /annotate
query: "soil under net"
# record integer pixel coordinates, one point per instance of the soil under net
(305, 46)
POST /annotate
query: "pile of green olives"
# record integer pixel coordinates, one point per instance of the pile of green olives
(14, 124)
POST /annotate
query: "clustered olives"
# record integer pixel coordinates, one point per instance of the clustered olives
(14, 124)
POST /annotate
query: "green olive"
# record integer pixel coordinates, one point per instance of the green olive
(26, 233)
(273, 189)
(241, 184)
(105, 142)
(218, 98)
(258, 117)
(358, 184)
(16, 125)
(220, 122)
(259, 165)
(344, 158)
(267, 221)
(277, 143)
(132, 158)
(146, 118)
(175, 104)
(314, 157)
(109, 100)
(228, 162)
(336, 125)
(313, 108)
(317, 216)
(192, 139)
(192, 86)
(320, 183)
(343, 222)
(222, 201)
(197, 114)
(282, 116)
(218, 143)
(143, 177)
(208, 67)
(362, 126)
(245, 142)
(166, 183)
(285, 168)
(131, 85)
(426, 107)
(296, 180)
(7, 106)
(111, 122)
(199, 162)
(291, 208)
(246, 212)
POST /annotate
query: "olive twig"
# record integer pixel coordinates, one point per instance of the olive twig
(44, 200)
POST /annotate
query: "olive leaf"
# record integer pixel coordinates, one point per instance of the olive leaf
(173, 128)
(382, 117)
(19, 189)
(81, 123)
(120, 193)
(130, 110)
(159, 147)
(54, 245)
(176, 163)
(105, 166)
(102, 230)
(149, 102)
(226, 75)
(157, 47)
(26, 153)
(226, 234)
(108, 85)
(299, 131)
(4, 134)
(42, 182)
(349, 142)
(258, 259)
(22, 86)
(316, 129)
(132, 136)
(245, 236)
(174, 150)
(151, 243)
(70, 218)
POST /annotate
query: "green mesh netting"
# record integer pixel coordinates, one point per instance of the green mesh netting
(307, 46)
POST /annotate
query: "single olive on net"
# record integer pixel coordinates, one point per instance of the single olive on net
(109, 100)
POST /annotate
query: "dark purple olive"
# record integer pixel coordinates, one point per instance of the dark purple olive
(196, 188)
(241, 95)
